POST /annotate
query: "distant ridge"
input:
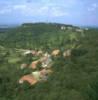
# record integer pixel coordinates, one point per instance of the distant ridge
(89, 26)
(8, 26)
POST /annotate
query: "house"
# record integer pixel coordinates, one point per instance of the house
(34, 64)
(67, 53)
(55, 52)
(28, 78)
(27, 52)
(34, 52)
(63, 27)
(46, 61)
(39, 53)
(35, 77)
(23, 66)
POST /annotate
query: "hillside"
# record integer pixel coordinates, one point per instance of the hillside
(35, 35)
(74, 78)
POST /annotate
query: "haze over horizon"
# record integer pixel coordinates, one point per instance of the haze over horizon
(75, 12)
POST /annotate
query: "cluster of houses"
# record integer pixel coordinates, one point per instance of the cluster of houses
(75, 29)
(46, 63)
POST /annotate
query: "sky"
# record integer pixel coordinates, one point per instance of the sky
(75, 12)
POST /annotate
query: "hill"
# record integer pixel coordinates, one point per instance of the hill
(74, 78)
(36, 35)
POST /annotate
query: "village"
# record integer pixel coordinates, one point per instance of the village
(46, 63)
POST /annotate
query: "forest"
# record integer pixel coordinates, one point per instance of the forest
(73, 78)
